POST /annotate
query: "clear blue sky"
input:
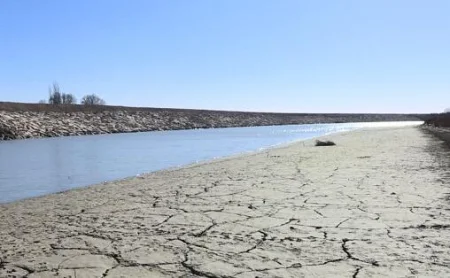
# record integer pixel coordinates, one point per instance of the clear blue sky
(258, 55)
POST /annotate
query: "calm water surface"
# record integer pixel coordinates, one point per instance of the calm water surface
(40, 166)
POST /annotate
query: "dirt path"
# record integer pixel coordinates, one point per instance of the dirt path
(375, 205)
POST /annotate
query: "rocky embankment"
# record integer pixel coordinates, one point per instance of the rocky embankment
(20, 121)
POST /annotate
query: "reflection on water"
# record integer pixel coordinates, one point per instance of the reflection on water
(40, 166)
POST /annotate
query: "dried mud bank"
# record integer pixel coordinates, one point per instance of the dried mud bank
(375, 205)
(20, 121)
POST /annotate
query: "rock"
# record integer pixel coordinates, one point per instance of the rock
(31, 124)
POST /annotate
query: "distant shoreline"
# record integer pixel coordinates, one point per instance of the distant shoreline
(44, 107)
(27, 120)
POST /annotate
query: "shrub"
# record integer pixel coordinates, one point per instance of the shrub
(324, 143)
(92, 100)
(440, 120)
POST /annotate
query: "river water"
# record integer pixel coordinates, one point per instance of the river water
(36, 167)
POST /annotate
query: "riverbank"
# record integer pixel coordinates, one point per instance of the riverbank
(375, 205)
(22, 120)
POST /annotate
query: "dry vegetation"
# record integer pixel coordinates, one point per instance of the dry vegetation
(42, 107)
(440, 120)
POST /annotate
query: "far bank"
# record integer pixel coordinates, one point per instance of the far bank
(24, 120)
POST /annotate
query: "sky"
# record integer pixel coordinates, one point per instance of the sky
(371, 56)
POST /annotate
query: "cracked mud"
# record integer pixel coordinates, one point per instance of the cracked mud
(375, 205)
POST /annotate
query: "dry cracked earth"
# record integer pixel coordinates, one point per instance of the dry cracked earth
(375, 205)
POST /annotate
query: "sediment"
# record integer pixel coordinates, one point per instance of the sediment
(20, 121)
(374, 205)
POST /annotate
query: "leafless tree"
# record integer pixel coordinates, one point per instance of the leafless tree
(92, 100)
(58, 97)
(55, 96)
(68, 99)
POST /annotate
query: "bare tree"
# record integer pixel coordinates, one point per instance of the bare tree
(447, 110)
(58, 97)
(55, 96)
(92, 100)
(68, 99)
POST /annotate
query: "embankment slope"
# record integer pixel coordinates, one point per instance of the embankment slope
(22, 120)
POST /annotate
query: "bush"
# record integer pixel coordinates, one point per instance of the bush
(92, 100)
(440, 120)
(324, 143)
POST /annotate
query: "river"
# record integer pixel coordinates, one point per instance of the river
(35, 167)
